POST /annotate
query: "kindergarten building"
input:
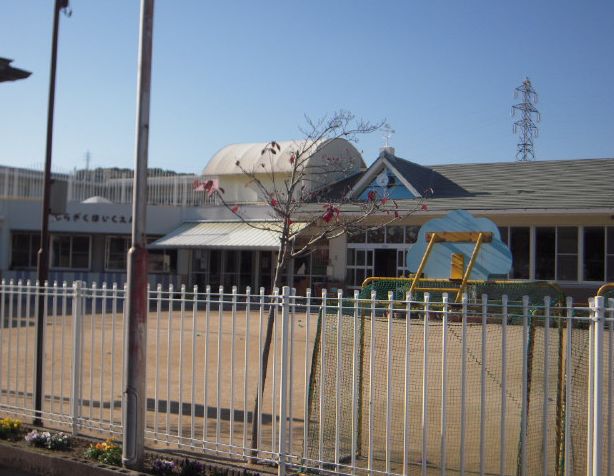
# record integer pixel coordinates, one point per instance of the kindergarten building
(556, 216)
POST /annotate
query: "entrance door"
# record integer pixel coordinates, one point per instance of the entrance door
(385, 263)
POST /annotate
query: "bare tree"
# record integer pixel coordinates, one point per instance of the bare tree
(305, 210)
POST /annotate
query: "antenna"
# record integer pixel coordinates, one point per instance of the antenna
(526, 126)
(388, 132)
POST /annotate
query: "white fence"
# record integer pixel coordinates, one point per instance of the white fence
(355, 385)
(163, 187)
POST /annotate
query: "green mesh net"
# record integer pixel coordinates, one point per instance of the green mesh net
(356, 390)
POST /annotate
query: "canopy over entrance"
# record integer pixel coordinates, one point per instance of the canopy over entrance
(253, 235)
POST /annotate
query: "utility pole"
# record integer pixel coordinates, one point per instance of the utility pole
(526, 126)
(42, 264)
(135, 328)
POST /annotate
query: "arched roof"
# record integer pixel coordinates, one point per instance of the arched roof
(251, 158)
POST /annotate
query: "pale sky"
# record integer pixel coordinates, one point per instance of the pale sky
(442, 73)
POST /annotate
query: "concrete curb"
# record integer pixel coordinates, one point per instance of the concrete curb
(15, 456)
(46, 463)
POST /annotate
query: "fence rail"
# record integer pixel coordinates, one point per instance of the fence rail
(354, 386)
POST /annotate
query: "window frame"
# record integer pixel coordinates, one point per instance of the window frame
(71, 237)
(107, 251)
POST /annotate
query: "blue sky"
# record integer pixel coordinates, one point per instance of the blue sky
(442, 73)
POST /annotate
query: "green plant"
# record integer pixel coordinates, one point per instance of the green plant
(107, 452)
(59, 441)
(10, 428)
(56, 441)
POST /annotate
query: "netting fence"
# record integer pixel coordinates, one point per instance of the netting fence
(495, 384)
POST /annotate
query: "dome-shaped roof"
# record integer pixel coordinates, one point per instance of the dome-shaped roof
(250, 156)
(96, 199)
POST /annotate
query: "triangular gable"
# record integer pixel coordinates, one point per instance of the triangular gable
(381, 180)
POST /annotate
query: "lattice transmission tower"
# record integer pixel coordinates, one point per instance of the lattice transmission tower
(529, 116)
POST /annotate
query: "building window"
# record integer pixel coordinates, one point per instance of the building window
(376, 235)
(161, 261)
(359, 266)
(545, 252)
(610, 256)
(520, 238)
(394, 234)
(116, 253)
(567, 253)
(594, 253)
(411, 233)
(24, 250)
(356, 237)
(504, 232)
(70, 252)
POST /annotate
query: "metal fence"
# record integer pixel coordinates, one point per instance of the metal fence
(354, 386)
(115, 185)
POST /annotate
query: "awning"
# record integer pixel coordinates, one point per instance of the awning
(227, 235)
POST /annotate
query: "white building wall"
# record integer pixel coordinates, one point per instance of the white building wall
(337, 256)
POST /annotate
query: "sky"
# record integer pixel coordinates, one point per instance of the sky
(441, 73)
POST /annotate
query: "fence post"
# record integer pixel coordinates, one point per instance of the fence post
(598, 329)
(77, 319)
(283, 384)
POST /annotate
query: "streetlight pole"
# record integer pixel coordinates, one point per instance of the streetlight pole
(135, 327)
(43, 252)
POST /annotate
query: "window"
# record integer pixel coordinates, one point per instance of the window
(504, 232)
(162, 261)
(116, 253)
(610, 251)
(411, 233)
(70, 252)
(24, 250)
(545, 251)
(359, 266)
(394, 234)
(520, 238)
(567, 253)
(319, 262)
(376, 235)
(594, 253)
(356, 237)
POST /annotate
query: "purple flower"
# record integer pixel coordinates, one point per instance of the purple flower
(162, 467)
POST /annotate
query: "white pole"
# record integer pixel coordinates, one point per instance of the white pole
(389, 379)
(444, 387)
(307, 370)
(338, 377)
(483, 384)
(503, 384)
(463, 417)
(568, 367)
(407, 390)
(283, 390)
(591, 389)
(425, 395)
(598, 385)
(525, 378)
(355, 381)
(76, 356)
(546, 384)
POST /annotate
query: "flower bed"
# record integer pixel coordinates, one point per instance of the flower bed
(102, 455)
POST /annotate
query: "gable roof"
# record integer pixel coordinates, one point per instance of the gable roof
(553, 184)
